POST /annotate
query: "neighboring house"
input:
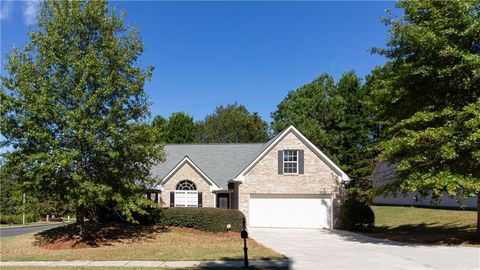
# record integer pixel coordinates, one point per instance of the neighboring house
(285, 182)
(384, 173)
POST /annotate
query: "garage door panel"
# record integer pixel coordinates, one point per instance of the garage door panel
(289, 211)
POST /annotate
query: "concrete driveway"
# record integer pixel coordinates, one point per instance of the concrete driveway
(326, 249)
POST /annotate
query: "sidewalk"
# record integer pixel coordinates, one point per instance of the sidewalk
(171, 264)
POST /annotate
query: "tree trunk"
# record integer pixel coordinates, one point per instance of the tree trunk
(80, 219)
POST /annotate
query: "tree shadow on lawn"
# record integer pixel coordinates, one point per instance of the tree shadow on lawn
(423, 233)
(96, 234)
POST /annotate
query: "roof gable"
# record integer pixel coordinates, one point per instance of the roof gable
(187, 161)
(272, 143)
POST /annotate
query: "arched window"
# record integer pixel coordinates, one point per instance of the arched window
(186, 185)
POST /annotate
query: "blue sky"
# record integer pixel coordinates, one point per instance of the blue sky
(207, 54)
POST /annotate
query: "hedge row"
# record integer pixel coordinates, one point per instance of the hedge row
(201, 218)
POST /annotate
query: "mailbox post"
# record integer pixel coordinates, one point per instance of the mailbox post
(244, 235)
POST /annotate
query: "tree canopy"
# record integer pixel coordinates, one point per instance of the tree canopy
(180, 128)
(316, 112)
(427, 98)
(159, 124)
(74, 108)
(334, 117)
(233, 124)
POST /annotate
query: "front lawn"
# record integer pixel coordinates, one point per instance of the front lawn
(134, 243)
(425, 225)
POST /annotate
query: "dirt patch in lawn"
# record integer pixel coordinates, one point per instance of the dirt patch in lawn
(97, 235)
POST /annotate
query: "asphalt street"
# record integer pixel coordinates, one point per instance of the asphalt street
(23, 230)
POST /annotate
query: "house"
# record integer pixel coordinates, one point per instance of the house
(384, 173)
(285, 182)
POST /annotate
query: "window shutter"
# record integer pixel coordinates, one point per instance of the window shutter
(280, 162)
(199, 199)
(172, 198)
(300, 161)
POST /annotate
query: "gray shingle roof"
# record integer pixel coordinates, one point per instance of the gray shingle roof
(220, 162)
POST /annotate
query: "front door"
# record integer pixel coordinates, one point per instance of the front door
(223, 200)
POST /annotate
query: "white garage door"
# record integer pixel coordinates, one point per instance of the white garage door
(290, 211)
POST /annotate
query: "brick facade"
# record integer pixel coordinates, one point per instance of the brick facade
(318, 179)
(186, 172)
(263, 178)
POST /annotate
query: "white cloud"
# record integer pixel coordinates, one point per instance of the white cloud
(30, 11)
(6, 10)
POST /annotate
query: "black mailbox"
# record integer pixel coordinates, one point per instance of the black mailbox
(244, 234)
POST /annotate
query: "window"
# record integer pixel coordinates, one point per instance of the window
(186, 194)
(290, 161)
(186, 185)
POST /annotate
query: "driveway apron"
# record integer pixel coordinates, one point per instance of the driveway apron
(333, 249)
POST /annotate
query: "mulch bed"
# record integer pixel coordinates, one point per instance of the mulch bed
(106, 234)
(95, 235)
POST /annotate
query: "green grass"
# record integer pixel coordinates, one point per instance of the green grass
(425, 225)
(132, 243)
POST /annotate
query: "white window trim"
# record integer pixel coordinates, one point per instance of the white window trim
(186, 183)
(290, 162)
(187, 160)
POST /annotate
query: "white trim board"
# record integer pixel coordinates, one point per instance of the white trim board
(342, 175)
(187, 160)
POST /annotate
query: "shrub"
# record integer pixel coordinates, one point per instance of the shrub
(205, 219)
(16, 219)
(356, 215)
(360, 194)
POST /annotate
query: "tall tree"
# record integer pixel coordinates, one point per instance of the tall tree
(233, 124)
(180, 128)
(316, 112)
(73, 109)
(428, 98)
(337, 121)
(159, 124)
(356, 155)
